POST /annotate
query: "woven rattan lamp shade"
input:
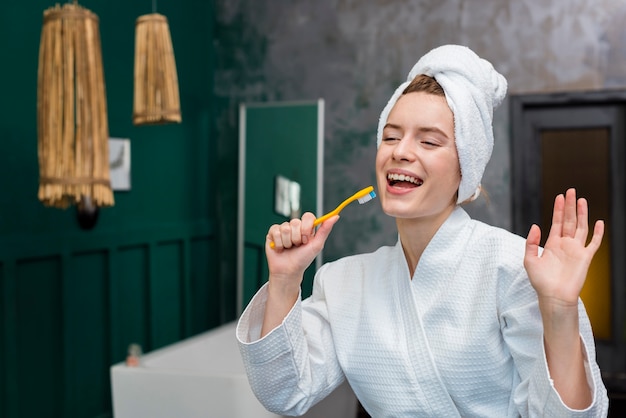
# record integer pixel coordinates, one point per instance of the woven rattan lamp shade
(156, 98)
(72, 122)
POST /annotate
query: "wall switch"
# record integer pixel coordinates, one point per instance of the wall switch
(287, 197)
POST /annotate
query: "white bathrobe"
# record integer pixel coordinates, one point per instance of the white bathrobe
(463, 337)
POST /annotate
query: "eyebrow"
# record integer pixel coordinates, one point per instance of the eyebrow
(424, 129)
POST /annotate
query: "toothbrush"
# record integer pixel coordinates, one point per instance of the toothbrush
(363, 196)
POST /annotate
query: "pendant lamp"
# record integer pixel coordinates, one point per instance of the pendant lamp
(72, 124)
(156, 98)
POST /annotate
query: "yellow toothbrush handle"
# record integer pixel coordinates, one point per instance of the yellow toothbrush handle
(361, 193)
(325, 217)
(357, 195)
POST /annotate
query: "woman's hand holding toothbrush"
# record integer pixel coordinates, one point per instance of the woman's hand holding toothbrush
(295, 246)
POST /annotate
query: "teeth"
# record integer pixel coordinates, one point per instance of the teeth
(403, 177)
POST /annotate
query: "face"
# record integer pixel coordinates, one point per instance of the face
(417, 166)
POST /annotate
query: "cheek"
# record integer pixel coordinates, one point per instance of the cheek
(455, 175)
(455, 169)
(454, 166)
(447, 172)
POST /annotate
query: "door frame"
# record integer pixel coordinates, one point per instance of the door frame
(605, 108)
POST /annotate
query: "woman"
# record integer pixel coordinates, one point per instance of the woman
(458, 318)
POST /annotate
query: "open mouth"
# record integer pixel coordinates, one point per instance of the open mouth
(403, 180)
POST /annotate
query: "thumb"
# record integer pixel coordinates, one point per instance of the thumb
(325, 228)
(532, 242)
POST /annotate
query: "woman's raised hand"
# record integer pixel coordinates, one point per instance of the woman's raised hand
(558, 274)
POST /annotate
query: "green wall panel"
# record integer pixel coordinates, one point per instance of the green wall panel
(3, 320)
(86, 334)
(204, 295)
(40, 362)
(167, 282)
(281, 139)
(9, 350)
(129, 300)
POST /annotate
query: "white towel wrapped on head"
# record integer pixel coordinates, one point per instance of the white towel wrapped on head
(473, 89)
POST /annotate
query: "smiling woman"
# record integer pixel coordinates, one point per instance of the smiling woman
(417, 164)
(459, 318)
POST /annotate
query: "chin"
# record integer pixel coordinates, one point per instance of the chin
(408, 210)
(396, 212)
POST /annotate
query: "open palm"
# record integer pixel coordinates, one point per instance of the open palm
(559, 272)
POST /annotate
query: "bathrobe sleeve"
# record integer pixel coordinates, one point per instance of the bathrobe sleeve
(290, 371)
(535, 395)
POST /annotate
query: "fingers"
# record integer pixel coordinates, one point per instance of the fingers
(582, 226)
(570, 221)
(557, 216)
(289, 233)
(570, 216)
(307, 228)
(295, 232)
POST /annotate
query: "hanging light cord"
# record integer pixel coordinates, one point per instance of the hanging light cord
(154, 6)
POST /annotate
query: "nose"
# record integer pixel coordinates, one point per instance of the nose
(403, 151)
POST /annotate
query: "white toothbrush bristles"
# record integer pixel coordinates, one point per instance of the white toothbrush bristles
(367, 197)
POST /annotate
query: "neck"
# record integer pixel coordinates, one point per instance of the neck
(416, 234)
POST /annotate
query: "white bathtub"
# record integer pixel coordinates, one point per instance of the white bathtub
(202, 377)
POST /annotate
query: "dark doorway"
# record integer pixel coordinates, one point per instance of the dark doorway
(578, 140)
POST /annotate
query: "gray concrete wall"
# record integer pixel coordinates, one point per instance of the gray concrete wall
(354, 53)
